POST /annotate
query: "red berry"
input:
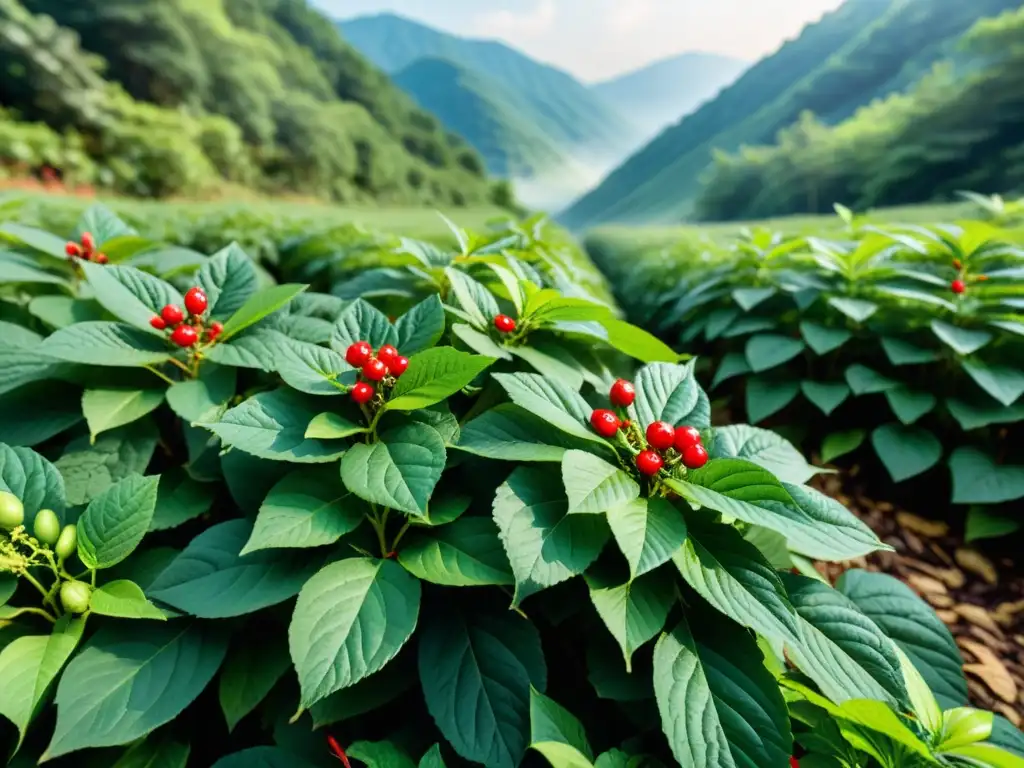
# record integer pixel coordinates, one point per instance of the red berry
(184, 336)
(195, 301)
(958, 286)
(87, 242)
(648, 462)
(695, 456)
(157, 322)
(604, 422)
(361, 392)
(685, 437)
(399, 366)
(73, 250)
(793, 763)
(172, 314)
(622, 393)
(660, 435)
(101, 258)
(374, 369)
(387, 355)
(504, 323)
(358, 353)
(215, 329)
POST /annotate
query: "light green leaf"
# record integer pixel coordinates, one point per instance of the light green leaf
(37, 239)
(229, 280)
(480, 342)
(432, 758)
(434, 375)
(638, 343)
(826, 395)
(593, 486)
(112, 408)
(474, 299)
(963, 726)
(103, 343)
(989, 755)
(258, 306)
(764, 448)
(865, 381)
(557, 735)
(554, 363)
(839, 444)
(511, 433)
(855, 309)
(333, 426)
(648, 532)
(1002, 382)
(204, 397)
(766, 397)
(311, 368)
(380, 754)
(979, 480)
(114, 523)
(421, 327)
(963, 341)
(902, 352)
(550, 400)
(465, 553)
(125, 600)
(823, 339)
(90, 469)
(766, 351)
(906, 451)
(249, 674)
(103, 223)
(634, 612)
(909, 406)
(666, 392)
(130, 294)
(257, 349)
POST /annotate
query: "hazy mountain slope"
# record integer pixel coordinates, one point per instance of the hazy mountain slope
(662, 92)
(854, 54)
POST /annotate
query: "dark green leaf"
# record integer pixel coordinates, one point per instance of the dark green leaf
(130, 294)
(102, 343)
(421, 327)
(106, 409)
(205, 397)
(1004, 383)
(511, 433)
(666, 392)
(366, 695)
(550, 400)
(963, 341)
(855, 309)
(841, 443)
(979, 480)
(263, 757)
(33, 479)
(901, 352)
(767, 351)
(557, 734)
(249, 674)
(865, 381)
(180, 499)
(909, 406)
(906, 451)
(229, 280)
(465, 553)
(114, 523)
(766, 397)
(826, 395)
(984, 523)
(823, 339)
(90, 469)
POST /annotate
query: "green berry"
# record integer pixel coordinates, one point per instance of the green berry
(47, 527)
(12, 511)
(67, 544)
(75, 596)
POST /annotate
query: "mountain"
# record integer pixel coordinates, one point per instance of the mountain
(662, 92)
(557, 104)
(863, 50)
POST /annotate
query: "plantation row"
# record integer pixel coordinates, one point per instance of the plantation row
(413, 503)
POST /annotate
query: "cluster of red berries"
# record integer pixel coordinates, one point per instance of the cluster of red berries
(373, 368)
(504, 323)
(660, 436)
(85, 250)
(186, 332)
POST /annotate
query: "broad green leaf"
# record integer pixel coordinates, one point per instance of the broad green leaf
(979, 480)
(557, 735)
(103, 224)
(764, 448)
(766, 351)
(822, 339)
(368, 694)
(963, 341)
(913, 626)
(114, 523)
(748, 298)
(570, 310)
(648, 532)
(264, 757)
(29, 665)
(906, 451)
(212, 580)
(22, 364)
(902, 352)
(670, 393)
(421, 327)
(839, 444)
(765, 397)
(160, 667)
(511, 433)
(258, 306)
(555, 364)
(380, 754)
(432, 758)
(638, 343)
(33, 479)
(350, 620)
(434, 375)
(826, 395)
(607, 674)
(855, 309)
(102, 343)
(204, 397)
(37, 239)
(229, 280)
(311, 368)
(155, 752)
(989, 755)
(962, 726)
(923, 703)
(550, 400)
(733, 364)
(257, 349)
(333, 426)
(974, 414)
(1002, 382)
(476, 670)
(180, 499)
(32, 415)
(250, 672)
(983, 523)
(544, 544)
(1007, 736)
(474, 299)
(125, 600)
(130, 294)
(909, 406)
(90, 469)
(307, 508)
(272, 425)
(480, 342)
(865, 381)
(720, 707)
(14, 272)
(634, 612)
(399, 471)
(361, 321)
(112, 408)
(465, 553)
(593, 486)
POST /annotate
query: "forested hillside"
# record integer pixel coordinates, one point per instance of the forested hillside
(160, 97)
(863, 50)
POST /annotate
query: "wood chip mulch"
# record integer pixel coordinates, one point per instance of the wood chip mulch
(980, 599)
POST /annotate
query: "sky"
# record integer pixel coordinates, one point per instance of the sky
(598, 39)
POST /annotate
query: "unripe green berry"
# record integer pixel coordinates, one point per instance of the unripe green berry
(12, 511)
(75, 596)
(47, 527)
(67, 544)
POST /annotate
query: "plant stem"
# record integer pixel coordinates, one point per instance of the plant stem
(36, 611)
(177, 362)
(35, 583)
(401, 533)
(153, 370)
(378, 527)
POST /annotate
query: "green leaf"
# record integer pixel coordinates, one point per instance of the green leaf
(480, 342)
(474, 299)
(257, 349)
(125, 600)
(766, 397)
(670, 393)
(112, 408)
(557, 735)
(434, 375)
(826, 395)
(33, 479)
(748, 298)
(476, 670)
(766, 351)
(258, 306)
(906, 451)
(465, 553)
(306, 508)
(983, 523)
(32, 415)
(229, 279)
(913, 626)
(865, 381)
(399, 471)
(989, 755)
(272, 425)
(972, 415)
(593, 486)
(380, 754)
(823, 339)
(159, 667)
(979, 480)
(91, 469)
(963, 341)
(544, 544)
(511, 433)
(648, 532)
(333, 426)
(29, 665)
(550, 400)
(25, 364)
(366, 695)
(350, 620)
(909, 406)
(554, 363)
(634, 612)
(839, 444)
(840, 648)
(211, 579)
(114, 523)
(37, 239)
(264, 757)
(858, 310)
(433, 758)
(421, 327)
(764, 448)
(901, 352)
(155, 752)
(103, 224)
(720, 707)
(638, 343)
(1002, 382)
(310, 368)
(733, 364)
(204, 397)
(130, 294)
(103, 343)
(180, 499)
(249, 674)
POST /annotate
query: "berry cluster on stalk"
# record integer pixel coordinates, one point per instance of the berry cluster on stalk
(381, 369)
(187, 326)
(85, 250)
(659, 446)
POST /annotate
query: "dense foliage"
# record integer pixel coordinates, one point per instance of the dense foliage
(329, 505)
(158, 98)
